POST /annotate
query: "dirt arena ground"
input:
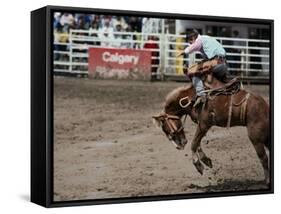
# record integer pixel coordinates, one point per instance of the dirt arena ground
(106, 146)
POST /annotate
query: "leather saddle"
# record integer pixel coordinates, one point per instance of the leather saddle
(202, 68)
(218, 88)
(211, 83)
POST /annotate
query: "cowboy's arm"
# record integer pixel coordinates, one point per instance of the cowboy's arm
(196, 46)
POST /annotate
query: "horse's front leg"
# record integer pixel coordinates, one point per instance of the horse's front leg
(195, 146)
(203, 157)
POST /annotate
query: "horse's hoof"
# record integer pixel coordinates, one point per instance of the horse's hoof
(179, 147)
(199, 166)
(207, 161)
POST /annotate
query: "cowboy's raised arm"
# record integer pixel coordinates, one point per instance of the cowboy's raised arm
(196, 46)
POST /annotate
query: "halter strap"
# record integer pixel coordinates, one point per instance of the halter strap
(169, 120)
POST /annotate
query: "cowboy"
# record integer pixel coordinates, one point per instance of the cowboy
(210, 49)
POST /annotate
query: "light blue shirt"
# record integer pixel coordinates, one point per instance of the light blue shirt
(211, 47)
(208, 46)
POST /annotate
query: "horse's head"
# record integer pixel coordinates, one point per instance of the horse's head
(178, 103)
(173, 128)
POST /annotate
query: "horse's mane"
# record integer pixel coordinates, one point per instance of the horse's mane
(174, 94)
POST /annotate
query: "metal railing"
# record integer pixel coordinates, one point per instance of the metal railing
(245, 57)
(74, 56)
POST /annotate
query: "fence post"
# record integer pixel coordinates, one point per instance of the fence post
(162, 51)
(70, 51)
(247, 60)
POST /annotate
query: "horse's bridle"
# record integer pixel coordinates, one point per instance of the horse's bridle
(173, 130)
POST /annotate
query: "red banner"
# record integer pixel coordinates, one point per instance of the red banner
(119, 63)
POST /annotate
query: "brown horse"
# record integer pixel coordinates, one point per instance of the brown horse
(239, 109)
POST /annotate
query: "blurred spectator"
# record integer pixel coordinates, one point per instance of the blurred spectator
(152, 44)
(87, 21)
(56, 21)
(57, 33)
(119, 20)
(60, 37)
(106, 21)
(135, 23)
(93, 31)
(80, 24)
(117, 36)
(106, 34)
(94, 26)
(83, 21)
(97, 20)
(129, 38)
(67, 21)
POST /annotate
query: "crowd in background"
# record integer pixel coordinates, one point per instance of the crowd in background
(65, 21)
(101, 26)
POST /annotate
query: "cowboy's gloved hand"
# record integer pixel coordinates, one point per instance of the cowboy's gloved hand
(180, 54)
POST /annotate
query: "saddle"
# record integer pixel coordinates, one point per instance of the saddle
(202, 68)
(213, 86)
(229, 88)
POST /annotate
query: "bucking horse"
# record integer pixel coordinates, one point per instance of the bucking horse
(227, 105)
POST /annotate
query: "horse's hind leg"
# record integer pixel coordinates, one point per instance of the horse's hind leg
(259, 147)
(258, 138)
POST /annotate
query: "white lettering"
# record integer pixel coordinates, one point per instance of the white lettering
(119, 58)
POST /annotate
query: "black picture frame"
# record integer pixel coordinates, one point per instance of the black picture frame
(42, 106)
